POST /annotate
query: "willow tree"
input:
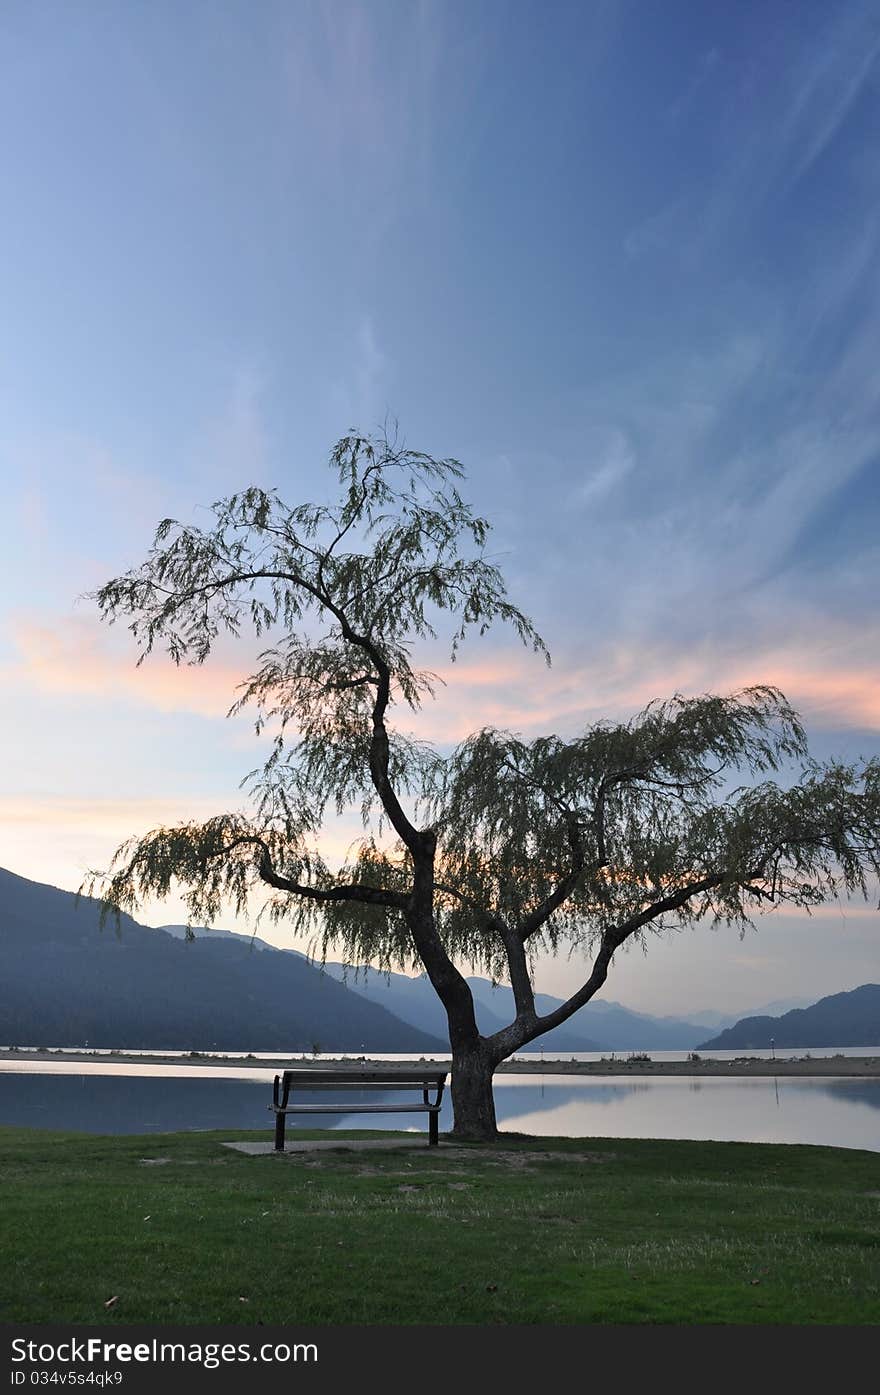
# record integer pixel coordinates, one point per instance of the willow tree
(501, 851)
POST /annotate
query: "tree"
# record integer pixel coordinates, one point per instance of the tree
(502, 851)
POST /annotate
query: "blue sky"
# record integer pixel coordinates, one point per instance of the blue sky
(620, 259)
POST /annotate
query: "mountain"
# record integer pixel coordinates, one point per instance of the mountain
(843, 1019)
(621, 1029)
(717, 1021)
(775, 1009)
(202, 932)
(599, 1026)
(65, 982)
(608, 1025)
(602, 1025)
(414, 1001)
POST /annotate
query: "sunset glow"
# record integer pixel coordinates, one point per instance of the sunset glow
(647, 328)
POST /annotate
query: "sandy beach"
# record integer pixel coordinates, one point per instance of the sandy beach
(802, 1065)
(744, 1065)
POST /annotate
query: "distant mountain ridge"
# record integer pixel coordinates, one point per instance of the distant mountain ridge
(65, 982)
(413, 999)
(599, 1026)
(719, 1020)
(842, 1019)
(602, 1025)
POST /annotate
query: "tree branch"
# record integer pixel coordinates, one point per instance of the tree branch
(611, 941)
(673, 902)
(542, 913)
(366, 895)
(379, 745)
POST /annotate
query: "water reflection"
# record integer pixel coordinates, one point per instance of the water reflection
(856, 1091)
(137, 1104)
(839, 1112)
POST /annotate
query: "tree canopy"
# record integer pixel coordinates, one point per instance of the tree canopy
(503, 849)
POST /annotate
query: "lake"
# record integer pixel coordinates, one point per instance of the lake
(104, 1096)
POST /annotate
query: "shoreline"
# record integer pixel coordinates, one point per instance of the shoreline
(857, 1066)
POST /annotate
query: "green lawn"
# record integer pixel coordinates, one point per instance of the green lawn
(181, 1230)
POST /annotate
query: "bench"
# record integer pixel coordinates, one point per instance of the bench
(289, 1087)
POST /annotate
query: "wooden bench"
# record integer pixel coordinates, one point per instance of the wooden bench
(293, 1083)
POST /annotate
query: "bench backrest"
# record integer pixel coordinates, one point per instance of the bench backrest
(294, 1081)
(321, 1079)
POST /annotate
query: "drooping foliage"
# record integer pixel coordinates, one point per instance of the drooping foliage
(346, 590)
(513, 846)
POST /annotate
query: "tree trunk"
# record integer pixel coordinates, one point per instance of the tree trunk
(473, 1102)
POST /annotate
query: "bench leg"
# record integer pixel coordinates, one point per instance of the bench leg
(433, 1137)
(279, 1132)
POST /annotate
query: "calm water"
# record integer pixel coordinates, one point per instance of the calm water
(103, 1096)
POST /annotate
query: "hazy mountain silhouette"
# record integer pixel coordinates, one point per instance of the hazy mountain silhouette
(414, 1000)
(599, 1026)
(717, 1021)
(843, 1019)
(66, 982)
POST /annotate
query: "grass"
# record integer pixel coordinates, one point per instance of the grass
(180, 1230)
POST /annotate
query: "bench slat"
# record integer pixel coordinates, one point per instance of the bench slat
(356, 1109)
(354, 1085)
(316, 1080)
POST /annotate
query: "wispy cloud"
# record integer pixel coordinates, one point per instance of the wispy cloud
(706, 65)
(34, 515)
(238, 447)
(70, 493)
(774, 118)
(334, 77)
(833, 679)
(828, 85)
(360, 399)
(101, 815)
(616, 459)
(660, 230)
(58, 838)
(83, 834)
(371, 96)
(744, 452)
(74, 658)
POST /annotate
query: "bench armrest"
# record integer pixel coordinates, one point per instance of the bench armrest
(284, 1084)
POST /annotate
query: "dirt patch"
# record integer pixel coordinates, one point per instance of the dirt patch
(502, 1157)
(494, 1157)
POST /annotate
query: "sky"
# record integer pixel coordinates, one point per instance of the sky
(620, 259)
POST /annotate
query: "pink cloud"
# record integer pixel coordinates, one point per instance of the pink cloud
(833, 680)
(55, 839)
(835, 684)
(98, 815)
(831, 912)
(77, 658)
(845, 697)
